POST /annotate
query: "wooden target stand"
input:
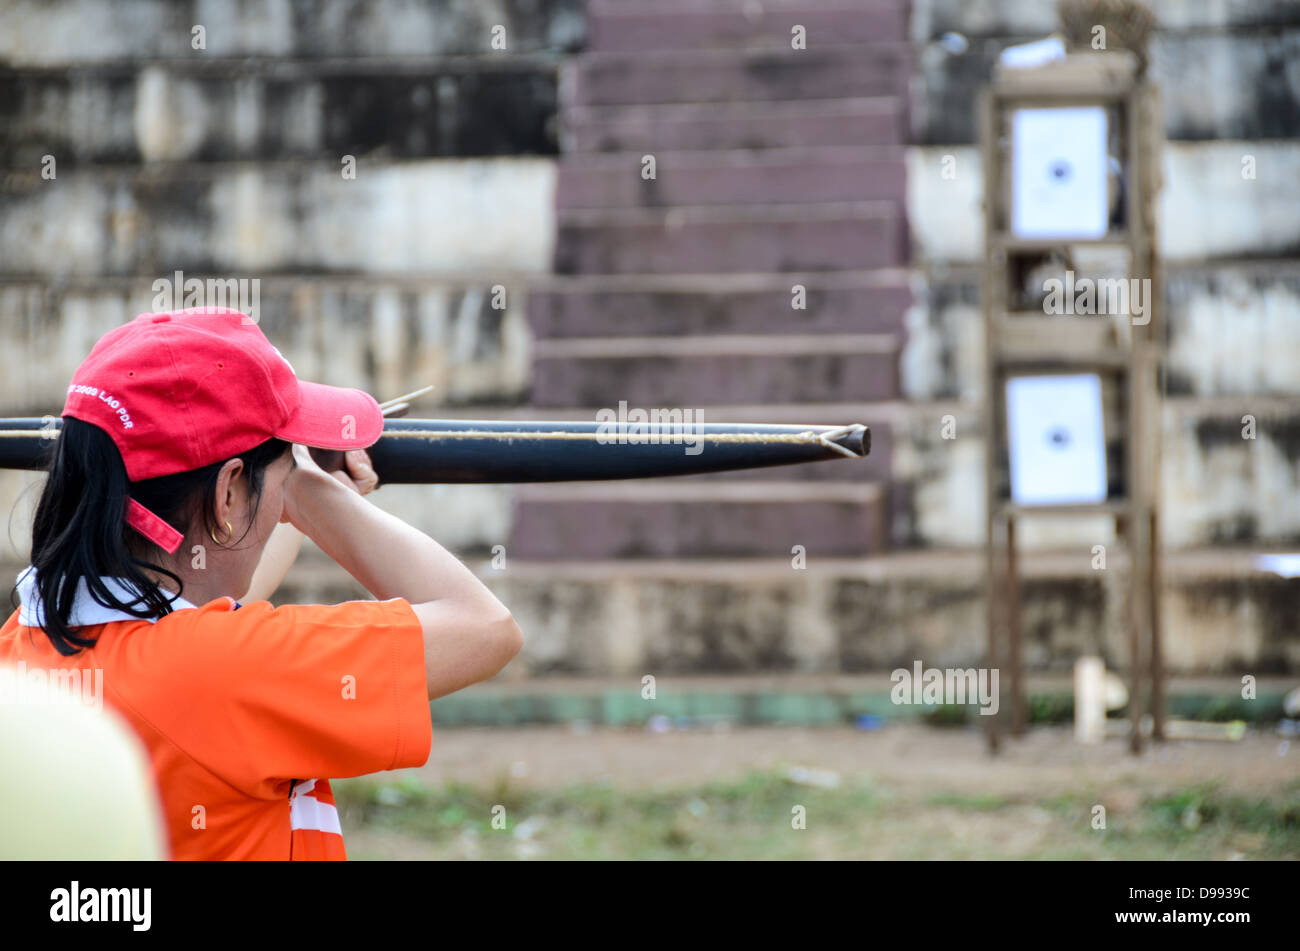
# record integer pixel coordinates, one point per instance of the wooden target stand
(1022, 339)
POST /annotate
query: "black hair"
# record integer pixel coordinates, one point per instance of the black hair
(80, 531)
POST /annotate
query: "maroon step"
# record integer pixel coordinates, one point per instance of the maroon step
(607, 79)
(667, 519)
(732, 177)
(715, 371)
(717, 239)
(741, 125)
(856, 302)
(622, 27)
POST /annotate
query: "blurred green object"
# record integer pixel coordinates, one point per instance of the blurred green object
(707, 708)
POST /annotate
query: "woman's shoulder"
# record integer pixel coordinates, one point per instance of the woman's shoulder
(260, 622)
(200, 655)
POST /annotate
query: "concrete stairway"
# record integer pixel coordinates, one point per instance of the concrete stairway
(775, 168)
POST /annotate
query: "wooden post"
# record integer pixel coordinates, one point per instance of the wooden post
(1015, 646)
(1157, 661)
(1137, 617)
(993, 660)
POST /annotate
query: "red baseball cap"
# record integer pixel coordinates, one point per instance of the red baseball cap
(180, 390)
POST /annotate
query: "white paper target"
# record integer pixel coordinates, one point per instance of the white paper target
(1058, 173)
(1056, 439)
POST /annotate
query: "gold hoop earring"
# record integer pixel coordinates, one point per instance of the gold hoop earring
(230, 532)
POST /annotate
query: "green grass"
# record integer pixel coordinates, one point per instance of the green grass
(746, 819)
(1197, 822)
(1184, 814)
(752, 819)
(977, 802)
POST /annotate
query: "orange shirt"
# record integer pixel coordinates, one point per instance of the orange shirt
(245, 710)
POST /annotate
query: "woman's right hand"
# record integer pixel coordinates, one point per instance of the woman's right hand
(308, 477)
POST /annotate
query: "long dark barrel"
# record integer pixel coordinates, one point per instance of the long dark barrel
(416, 451)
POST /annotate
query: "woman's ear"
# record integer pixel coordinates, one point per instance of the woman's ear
(231, 491)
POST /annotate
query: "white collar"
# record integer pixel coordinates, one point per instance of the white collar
(86, 611)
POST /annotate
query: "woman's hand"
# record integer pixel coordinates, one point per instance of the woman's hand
(360, 474)
(286, 541)
(309, 478)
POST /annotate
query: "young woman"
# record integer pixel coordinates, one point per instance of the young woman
(182, 450)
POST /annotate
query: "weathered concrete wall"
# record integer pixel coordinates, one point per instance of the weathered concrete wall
(614, 619)
(931, 18)
(1208, 208)
(710, 617)
(436, 217)
(1226, 70)
(387, 337)
(224, 111)
(55, 32)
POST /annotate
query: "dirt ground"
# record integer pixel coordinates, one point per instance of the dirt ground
(1044, 761)
(905, 791)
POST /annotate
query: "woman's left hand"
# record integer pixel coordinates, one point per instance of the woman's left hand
(285, 542)
(360, 475)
